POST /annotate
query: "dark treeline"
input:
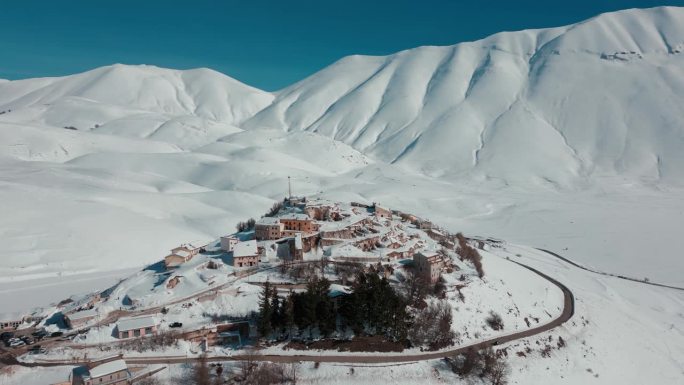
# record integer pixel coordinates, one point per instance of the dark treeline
(246, 226)
(372, 307)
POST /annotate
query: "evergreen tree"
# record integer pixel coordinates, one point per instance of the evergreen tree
(288, 314)
(325, 312)
(265, 311)
(276, 311)
(352, 317)
(309, 303)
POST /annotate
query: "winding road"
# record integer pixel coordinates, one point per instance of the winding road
(566, 314)
(577, 265)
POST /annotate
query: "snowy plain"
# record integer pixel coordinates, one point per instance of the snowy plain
(568, 139)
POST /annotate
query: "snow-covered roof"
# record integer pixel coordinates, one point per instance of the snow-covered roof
(337, 290)
(297, 237)
(296, 216)
(108, 368)
(126, 324)
(268, 221)
(194, 245)
(432, 257)
(181, 253)
(83, 314)
(9, 317)
(341, 224)
(347, 250)
(245, 249)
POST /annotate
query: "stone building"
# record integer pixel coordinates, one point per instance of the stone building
(290, 249)
(107, 371)
(428, 266)
(268, 229)
(246, 254)
(136, 327)
(181, 254)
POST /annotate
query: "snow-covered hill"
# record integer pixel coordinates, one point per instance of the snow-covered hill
(188, 108)
(601, 97)
(543, 137)
(569, 139)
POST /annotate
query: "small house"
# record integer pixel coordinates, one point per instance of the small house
(79, 319)
(181, 255)
(423, 224)
(394, 255)
(290, 249)
(436, 234)
(108, 371)
(246, 254)
(228, 242)
(382, 212)
(136, 327)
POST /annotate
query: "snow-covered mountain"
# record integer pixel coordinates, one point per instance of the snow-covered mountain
(468, 133)
(600, 97)
(201, 92)
(568, 139)
(188, 108)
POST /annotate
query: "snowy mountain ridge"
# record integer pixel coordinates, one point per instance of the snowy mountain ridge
(481, 108)
(560, 105)
(484, 136)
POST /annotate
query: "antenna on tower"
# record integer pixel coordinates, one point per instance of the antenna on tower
(289, 188)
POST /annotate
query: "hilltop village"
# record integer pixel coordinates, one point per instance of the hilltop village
(309, 274)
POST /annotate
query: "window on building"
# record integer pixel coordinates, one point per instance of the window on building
(136, 332)
(148, 330)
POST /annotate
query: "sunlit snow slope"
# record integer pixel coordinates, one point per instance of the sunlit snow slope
(568, 138)
(602, 97)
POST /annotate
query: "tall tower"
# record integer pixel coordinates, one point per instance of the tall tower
(289, 188)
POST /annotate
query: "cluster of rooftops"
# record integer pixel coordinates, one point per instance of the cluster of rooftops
(299, 226)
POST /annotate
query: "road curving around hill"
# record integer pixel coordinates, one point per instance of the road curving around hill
(367, 358)
(577, 265)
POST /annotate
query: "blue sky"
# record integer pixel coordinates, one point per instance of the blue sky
(267, 44)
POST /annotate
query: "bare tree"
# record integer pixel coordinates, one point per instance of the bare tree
(415, 287)
(432, 326)
(485, 364)
(494, 321)
(274, 209)
(200, 373)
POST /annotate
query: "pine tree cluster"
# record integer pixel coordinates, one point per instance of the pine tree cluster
(372, 307)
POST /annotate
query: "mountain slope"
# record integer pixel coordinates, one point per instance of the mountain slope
(187, 108)
(601, 97)
(202, 92)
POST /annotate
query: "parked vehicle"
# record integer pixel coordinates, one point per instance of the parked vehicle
(27, 340)
(6, 336)
(37, 349)
(41, 333)
(175, 325)
(56, 334)
(16, 342)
